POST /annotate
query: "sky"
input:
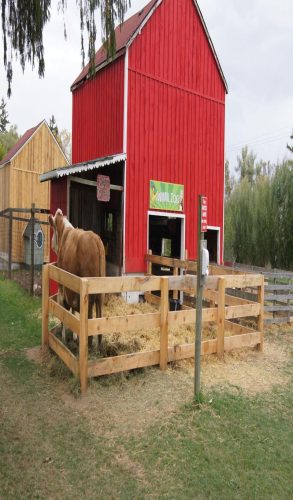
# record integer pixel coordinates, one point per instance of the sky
(253, 41)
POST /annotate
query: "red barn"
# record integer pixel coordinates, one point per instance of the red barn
(148, 128)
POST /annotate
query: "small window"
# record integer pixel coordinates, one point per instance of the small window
(166, 247)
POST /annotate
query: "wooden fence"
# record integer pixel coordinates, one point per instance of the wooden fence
(278, 294)
(225, 312)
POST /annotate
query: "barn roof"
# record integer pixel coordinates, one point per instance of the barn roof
(19, 144)
(77, 168)
(123, 34)
(23, 141)
(127, 31)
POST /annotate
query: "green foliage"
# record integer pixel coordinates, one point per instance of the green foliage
(290, 146)
(7, 140)
(259, 219)
(53, 126)
(229, 181)
(3, 116)
(23, 24)
(63, 137)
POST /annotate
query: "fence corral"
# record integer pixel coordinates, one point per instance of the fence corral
(24, 245)
(225, 311)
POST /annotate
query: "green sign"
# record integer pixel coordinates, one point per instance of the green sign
(166, 196)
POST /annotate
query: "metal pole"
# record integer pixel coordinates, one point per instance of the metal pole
(199, 294)
(10, 244)
(32, 249)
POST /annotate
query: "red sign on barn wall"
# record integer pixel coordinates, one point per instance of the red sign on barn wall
(103, 188)
(204, 214)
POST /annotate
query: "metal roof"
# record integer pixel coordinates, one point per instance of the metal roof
(77, 168)
(126, 32)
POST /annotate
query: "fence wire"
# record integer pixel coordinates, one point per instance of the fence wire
(24, 246)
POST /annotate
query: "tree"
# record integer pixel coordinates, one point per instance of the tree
(3, 116)
(63, 138)
(290, 146)
(23, 23)
(53, 127)
(246, 164)
(7, 140)
(229, 180)
(65, 143)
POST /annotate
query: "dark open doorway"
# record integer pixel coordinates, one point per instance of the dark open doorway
(212, 238)
(165, 238)
(104, 218)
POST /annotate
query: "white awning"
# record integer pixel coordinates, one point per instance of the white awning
(82, 167)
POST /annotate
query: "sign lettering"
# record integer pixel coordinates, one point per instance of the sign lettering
(166, 196)
(204, 214)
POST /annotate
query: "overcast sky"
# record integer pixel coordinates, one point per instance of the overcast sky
(254, 43)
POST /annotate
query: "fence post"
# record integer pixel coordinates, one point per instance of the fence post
(149, 264)
(83, 335)
(164, 323)
(260, 319)
(221, 317)
(175, 292)
(10, 244)
(45, 305)
(32, 277)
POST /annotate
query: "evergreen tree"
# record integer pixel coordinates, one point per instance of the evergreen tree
(53, 127)
(3, 116)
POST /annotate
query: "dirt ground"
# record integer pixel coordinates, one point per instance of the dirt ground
(148, 396)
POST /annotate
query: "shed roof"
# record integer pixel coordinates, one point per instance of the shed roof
(124, 34)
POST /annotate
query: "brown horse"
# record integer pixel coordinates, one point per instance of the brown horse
(81, 253)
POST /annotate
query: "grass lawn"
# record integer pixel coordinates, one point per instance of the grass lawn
(140, 435)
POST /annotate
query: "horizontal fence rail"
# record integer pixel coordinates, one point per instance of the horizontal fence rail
(225, 310)
(278, 299)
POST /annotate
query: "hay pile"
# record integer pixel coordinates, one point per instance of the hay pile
(143, 340)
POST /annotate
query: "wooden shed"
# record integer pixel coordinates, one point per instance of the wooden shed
(37, 151)
(150, 123)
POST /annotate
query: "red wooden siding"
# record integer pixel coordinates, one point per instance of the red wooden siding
(97, 120)
(176, 112)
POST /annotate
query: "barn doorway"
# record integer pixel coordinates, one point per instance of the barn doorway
(212, 237)
(166, 237)
(103, 218)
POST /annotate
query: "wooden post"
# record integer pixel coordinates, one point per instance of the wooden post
(149, 264)
(260, 319)
(32, 274)
(164, 323)
(10, 244)
(175, 292)
(221, 318)
(83, 335)
(45, 305)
